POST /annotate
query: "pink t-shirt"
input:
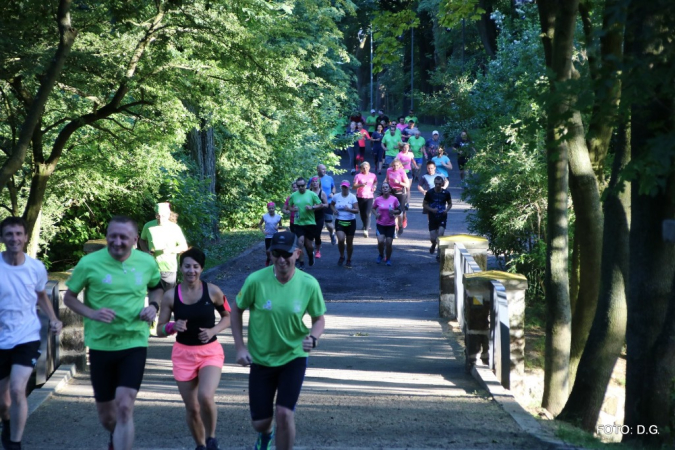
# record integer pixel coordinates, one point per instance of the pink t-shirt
(405, 159)
(401, 126)
(364, 135)
(369, 179)
(381, 205)
(396, 178)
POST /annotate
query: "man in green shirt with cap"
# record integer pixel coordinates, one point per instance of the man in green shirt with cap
(164, 240)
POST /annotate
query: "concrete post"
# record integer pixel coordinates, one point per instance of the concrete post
(477, 247)
(479, 287)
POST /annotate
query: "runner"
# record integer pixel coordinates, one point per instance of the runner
(303, 203)
(407, 160)
(386, 207)
(382, 117)
(345, 205)
(433, 145)
(164, 240)
(286, 211)
(278, 341)
(464, 147)
(399, 184)
(365, 184)
(376, 147)
(371, 120)
(427, 181)
(390, 144)
(197, 356)
(437, 202)
(409, 131)
(443, 164)
(22, 286)
(411, 116)
(361, 153)
(319, 214)
(402, 124)
(328, 187)
(269, 224)
(116, 323)
(417, 146)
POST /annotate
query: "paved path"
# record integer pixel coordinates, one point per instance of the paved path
(384, 375)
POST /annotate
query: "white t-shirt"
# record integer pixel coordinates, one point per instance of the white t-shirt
(271, 224)
(19, 285)
(344, 202)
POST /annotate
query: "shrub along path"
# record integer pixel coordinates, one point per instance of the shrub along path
(384, 374)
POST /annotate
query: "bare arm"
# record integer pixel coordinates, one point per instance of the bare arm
(318, 325)
(46, 307)
(165, 312)
(243, 356)
(217, 298)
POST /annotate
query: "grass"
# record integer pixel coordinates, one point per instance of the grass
(231, 244)
(579, 437)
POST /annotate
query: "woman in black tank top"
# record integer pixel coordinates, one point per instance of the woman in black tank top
(197, 355)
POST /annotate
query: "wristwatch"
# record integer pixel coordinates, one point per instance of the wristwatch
(314, 341)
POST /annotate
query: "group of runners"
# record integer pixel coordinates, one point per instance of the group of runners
(126, 290)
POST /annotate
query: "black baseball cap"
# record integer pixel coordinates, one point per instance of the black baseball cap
(284, 241)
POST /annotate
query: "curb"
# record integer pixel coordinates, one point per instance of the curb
(59, 379)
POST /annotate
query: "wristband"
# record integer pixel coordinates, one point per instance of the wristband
(313, 341)
(155, 304)
(168, 328)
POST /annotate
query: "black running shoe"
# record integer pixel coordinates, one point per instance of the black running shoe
(310, 257)
(4, 436)
(212, 444)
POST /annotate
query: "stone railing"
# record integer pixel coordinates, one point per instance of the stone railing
(50, 344)
(488, 305)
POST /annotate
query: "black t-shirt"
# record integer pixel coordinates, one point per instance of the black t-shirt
(439, 200)
(383, 117)
(198, 315)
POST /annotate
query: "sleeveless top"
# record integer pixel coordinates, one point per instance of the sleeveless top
(198, 315)
(319, 213)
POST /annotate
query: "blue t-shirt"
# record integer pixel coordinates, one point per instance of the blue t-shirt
(327, 185)
(439, 168)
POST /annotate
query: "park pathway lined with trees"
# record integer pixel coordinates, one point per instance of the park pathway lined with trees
(384, 375)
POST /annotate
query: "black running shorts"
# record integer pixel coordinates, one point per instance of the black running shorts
(113, 369)
(348, 227)
(25, 354)
(284, 381)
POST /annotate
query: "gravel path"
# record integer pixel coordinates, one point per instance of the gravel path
(383, 376)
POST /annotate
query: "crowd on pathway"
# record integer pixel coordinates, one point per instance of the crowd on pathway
(117, 279)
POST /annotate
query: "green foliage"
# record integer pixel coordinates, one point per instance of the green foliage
(388, 28)
(451, 12)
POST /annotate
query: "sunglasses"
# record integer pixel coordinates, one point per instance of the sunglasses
(281, 254)
(301, 185)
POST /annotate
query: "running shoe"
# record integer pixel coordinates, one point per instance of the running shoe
(379, 259)
(432, 249)
(365, 233)
(341, 260)
(407, 206)
(200, 447)
(333, 239)
(405, 221)
(310, 258)
(212, 444)
(317, 254)
(389, 262)
(110, 443)
(4, 436)
(264, 441)
(348, 264)
(400, 231)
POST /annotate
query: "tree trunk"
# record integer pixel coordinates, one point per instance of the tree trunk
(609, 326)
(558, 317)
(36, 197)
(67, 37)
(588, 233)
(487, 29)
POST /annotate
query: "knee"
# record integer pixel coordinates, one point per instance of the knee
(205, 398)
(192, 410)
(107, 418)
(125, 410)
(285, 418)
(17, 392)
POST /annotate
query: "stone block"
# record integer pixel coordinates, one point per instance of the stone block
(94, 245)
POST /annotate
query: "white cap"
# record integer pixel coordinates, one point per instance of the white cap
(434, 132)
(372, 110)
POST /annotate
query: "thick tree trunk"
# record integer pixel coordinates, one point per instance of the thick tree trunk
(558, 320)
(649, 333)
(67, 37)
(609, 326)
(588, 234)
(36, 197)
(487, 29)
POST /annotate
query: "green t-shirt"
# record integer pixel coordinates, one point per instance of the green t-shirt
(162, 239)
(371, 121)
(392, 143)
(275, 326)
(409, 118)
(304, 217)
(416, 145)
(120, 286)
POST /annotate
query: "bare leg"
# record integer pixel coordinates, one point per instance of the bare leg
(380, 245)
(118, 415)
(341, 243)
(209, 377)
(350, 247)
(18, 410)
(285, 428)
(389, 248)
(188, 391)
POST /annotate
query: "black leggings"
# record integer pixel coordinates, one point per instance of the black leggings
(365, 208)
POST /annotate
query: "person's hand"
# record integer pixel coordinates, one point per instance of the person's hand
(148, 314)
(244, 358)
(104, 315)
(55, 326)
(293, 209)
(180, 325)
(309, 207)
(205, 335)
(307, 344)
